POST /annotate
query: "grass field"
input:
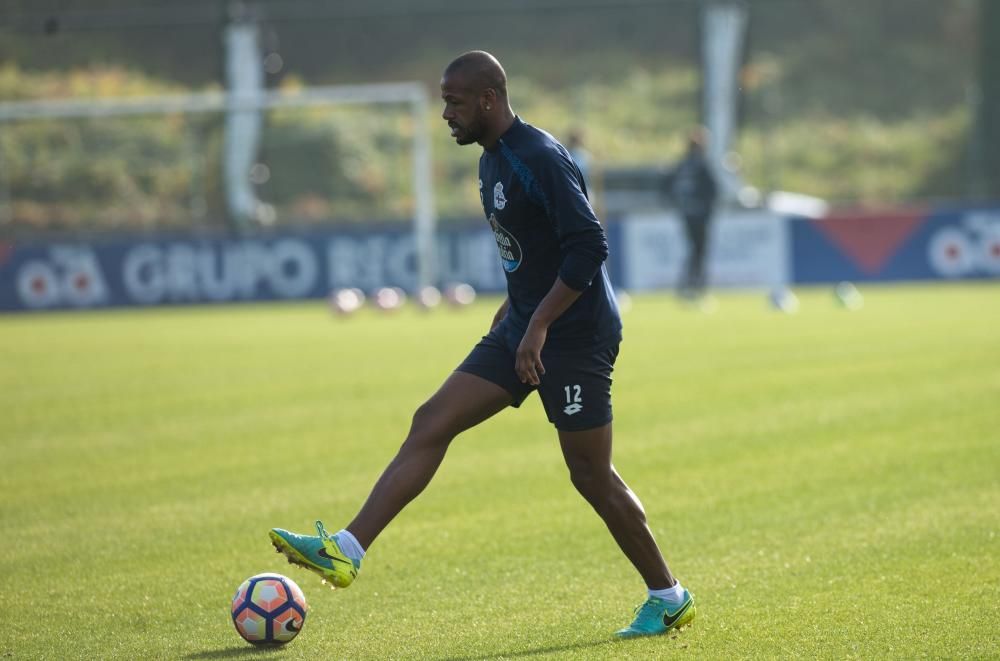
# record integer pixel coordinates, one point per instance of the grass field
(827, 484)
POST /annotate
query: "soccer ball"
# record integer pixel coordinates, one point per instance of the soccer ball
(269, 609)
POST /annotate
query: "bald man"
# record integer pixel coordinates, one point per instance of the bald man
(557, 332)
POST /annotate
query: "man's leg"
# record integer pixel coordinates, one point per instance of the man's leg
(464, 401)
(588, 457)
(699, 239)
(695, 228)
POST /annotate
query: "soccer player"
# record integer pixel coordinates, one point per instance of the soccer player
(557, 332)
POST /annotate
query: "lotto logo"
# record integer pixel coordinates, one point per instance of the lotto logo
(574, 400)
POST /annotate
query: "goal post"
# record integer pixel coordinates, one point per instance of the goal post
(412, 95)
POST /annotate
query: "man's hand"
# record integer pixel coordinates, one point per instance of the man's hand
(528, 361)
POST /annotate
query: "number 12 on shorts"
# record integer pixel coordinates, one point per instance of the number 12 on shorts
(574, 402)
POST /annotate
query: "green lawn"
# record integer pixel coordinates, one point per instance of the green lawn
(827, 484)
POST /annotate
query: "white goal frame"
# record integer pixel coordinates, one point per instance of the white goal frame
(414, 95)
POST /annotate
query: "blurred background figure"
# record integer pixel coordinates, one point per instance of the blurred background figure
(581, 156)
(691, 187)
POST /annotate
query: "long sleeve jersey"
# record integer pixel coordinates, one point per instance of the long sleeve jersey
(535, 200)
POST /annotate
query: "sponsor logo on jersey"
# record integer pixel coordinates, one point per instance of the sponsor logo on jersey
(510, 249)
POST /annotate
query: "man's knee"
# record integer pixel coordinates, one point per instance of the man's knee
(430, 425)
(593, 480)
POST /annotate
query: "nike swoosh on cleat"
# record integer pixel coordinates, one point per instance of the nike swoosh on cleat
(323, 554)
(669, 620)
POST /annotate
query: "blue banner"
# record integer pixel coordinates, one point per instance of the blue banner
(912, 244)
(181, 269)
(904, 244)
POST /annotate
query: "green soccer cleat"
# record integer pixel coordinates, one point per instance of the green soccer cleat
(321, 554)
(655, 617)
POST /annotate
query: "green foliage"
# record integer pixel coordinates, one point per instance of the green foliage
(888, 58)
(19, 83)
(355, 164)
(338, 163)
(860, 159)
(163, 170)
(821, 482)
(86, 174)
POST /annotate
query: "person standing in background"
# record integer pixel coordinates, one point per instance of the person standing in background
(692, 188)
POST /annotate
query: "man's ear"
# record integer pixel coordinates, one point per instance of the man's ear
(488, 100)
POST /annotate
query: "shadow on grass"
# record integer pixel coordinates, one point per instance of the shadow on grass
(236, 650)
(536, 651)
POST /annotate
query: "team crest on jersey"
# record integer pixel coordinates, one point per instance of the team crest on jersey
(510, 249)
(499, 201)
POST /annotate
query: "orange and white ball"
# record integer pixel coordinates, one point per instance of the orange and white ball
(269, 609)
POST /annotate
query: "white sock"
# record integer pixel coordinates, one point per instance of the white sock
(349, 544)
(673, 596)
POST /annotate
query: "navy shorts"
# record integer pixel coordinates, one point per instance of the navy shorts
(575, 389)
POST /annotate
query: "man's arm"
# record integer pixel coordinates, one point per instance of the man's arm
(584, 246)
(528, 361)
(501, 313)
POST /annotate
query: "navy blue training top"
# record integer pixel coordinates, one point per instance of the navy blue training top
(535, 199)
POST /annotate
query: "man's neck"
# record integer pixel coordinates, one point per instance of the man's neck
(503, 124)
